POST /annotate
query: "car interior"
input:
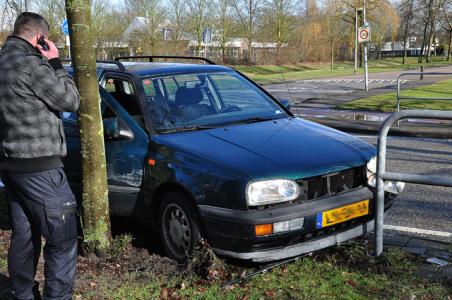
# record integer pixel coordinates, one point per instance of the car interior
(123, 91)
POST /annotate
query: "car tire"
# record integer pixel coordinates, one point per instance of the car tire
(178, 226)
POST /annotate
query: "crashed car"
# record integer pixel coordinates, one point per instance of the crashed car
(201, 151)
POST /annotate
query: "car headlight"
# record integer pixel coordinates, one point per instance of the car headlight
(271, 191)
(394, 187)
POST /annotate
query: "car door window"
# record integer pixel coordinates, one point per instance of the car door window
(124, 92)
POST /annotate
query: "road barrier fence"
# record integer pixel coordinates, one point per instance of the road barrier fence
(421, 74)
(383, 176)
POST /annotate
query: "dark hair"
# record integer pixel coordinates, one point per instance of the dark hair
(29, 24)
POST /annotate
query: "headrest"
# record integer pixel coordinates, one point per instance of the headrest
(188, 96)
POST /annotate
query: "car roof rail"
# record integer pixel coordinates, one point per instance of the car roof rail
(108, 62)
(152, 57)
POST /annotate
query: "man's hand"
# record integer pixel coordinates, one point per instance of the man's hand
(53, 51)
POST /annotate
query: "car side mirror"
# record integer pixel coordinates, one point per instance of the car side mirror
(285, 103)
(115, 129)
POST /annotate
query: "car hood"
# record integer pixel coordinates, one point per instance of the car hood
(290, 148)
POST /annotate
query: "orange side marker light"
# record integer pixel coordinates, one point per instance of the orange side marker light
(264, 229)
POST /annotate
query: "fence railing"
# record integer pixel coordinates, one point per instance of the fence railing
(382, 175)
(421, 74)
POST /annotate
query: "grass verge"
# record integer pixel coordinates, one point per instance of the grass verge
(277, 74)
(387, 102)
(344, 272)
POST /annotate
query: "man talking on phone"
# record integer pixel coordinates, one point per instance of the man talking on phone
(34, 90)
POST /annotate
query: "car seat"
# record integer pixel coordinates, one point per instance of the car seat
(187, 104)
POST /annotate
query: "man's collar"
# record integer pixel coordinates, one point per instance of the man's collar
(23, 44)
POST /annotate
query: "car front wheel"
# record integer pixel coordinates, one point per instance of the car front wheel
(179, 226)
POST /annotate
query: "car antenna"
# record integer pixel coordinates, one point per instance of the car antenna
(287, 87)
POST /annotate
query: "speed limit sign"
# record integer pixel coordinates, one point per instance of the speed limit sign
(364, 34)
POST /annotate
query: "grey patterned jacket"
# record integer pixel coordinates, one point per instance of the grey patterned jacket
(32, 93)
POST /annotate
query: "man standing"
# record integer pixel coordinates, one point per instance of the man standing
(34, 90)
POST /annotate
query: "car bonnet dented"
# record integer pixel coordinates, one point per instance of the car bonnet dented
(291, 148)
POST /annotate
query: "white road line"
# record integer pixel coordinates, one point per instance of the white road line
(418, 230)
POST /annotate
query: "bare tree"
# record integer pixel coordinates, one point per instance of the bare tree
(406, 14)
(446, 22)
(247, 12)
(334, 26)
(384, 26)
(198, 10)
(278, 21)
(153, 15)
(178, 17)
(96, 217)
(223, 24)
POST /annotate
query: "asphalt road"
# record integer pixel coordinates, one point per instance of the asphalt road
(419, 206)
(329, 92)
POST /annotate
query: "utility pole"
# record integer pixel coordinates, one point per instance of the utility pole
(356, 40)
(27, 5)
(366, 73)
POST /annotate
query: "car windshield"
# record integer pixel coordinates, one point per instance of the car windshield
(197, 101)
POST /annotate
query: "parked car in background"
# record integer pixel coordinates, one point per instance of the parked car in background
(201, 151)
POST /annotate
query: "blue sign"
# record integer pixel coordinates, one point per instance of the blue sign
(65, 27)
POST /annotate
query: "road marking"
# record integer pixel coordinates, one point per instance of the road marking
(350, 81)
(418, 230)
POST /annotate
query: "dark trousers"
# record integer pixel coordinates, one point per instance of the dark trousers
(41, 204)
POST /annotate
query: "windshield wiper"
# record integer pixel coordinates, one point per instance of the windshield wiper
(253, 120)
(188, 128)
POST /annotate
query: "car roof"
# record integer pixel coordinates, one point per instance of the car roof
(158, 68)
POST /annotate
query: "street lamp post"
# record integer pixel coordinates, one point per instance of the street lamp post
(366, 73)
(356, 40)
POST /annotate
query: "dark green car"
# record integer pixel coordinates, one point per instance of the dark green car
(200, 151)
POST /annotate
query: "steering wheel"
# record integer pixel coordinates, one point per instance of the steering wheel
(230, 108)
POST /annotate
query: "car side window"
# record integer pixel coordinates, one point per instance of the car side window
(124, 92)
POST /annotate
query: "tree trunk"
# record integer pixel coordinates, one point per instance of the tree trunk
(96, 218)
(223, 54)
(450, 44)
(427, 22)
(430, 37)
(332, 54)
(407, 28)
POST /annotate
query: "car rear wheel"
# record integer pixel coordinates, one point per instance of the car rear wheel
(179, 226)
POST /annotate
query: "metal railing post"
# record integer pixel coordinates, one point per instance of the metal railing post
(382, 175)
(398, 91)
(421, 75)
(379, 204)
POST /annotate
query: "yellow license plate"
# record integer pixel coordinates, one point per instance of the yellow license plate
(342, 214)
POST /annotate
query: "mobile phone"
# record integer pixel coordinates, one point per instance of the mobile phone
(43, 44)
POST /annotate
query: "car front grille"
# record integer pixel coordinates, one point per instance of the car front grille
(332, 184)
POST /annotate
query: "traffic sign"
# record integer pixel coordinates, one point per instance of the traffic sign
(65, 27)
(364, 34)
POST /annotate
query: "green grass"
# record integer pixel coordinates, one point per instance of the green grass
(387, 102)
(275, 74)
(344, 273)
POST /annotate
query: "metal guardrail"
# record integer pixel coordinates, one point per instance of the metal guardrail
(421, 74)
(382, 175)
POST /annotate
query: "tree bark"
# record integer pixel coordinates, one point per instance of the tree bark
(427, 23)
(450, 44)
(407, 27)
(96, 218)
(332, 54)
